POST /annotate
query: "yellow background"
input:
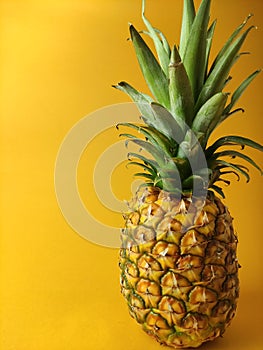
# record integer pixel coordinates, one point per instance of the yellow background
(58, 61)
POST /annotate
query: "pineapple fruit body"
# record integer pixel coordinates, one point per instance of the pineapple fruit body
(179, 270)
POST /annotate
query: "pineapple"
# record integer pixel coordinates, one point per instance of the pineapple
(178, 260)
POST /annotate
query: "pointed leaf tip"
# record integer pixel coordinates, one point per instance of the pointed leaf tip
(151, 69)
(196, 48)
(159, 45)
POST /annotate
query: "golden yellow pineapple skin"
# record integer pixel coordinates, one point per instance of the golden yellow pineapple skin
(179, 268)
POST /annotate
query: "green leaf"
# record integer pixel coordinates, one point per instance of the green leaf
(158, 154)
(146, 184)
(145, 167)
(167, 144)
(217, 77)
(236, 167)
(169, 125)
(209, 39)
(234, 154)
(152, 71)
(239, 91)
(166, 169)
(134, 94)
(227, 182)
(194, 57)
(187, 22)
(154, 136)
(190, 149)
(141, 130)
(228, 43)
(208, 115)
(130, 136)
(181, 95)
(162, 38)
(230, 172)
(195, 181)
(152, 115)
(164, 41)
(232, 140)
(219, 190)
(161, 52)
(152, 163)
(141, 100)
(147, 176)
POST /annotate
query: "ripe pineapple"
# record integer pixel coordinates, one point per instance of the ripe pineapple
(178, 261)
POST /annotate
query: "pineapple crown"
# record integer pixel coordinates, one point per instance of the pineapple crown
(188, 104)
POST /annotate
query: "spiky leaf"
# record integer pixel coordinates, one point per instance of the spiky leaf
(209, 39)
(220, 164)
(232, 140)
(234, 154)
(216, 79)
(160, 49)
(170, 126)
(180, 91)
(194, 57)
(208, 116)
(229, 42)
(152, 71)
(187, 22)
(239, 91)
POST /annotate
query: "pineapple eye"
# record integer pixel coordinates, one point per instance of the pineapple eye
(219, 251)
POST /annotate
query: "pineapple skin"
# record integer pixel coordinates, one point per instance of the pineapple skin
(179, 270)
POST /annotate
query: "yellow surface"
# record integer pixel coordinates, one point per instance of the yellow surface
(58, 61)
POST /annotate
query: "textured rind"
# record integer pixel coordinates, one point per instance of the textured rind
(179, 269)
